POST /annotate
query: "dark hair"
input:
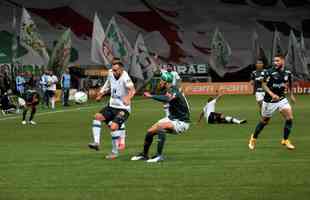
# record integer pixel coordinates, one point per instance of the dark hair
(118, 63)
(170, 65)
(280, 56)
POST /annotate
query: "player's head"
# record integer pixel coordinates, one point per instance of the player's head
(259, 64)
(117, 69)
(169, 67)
(278, 61)
(165, 80)
(116, 60)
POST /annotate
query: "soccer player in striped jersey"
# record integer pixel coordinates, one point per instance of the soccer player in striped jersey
(177, 122)
(122, 90)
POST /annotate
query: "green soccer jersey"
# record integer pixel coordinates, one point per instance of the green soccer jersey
(178, 105)
(256, 77)
(277, 81)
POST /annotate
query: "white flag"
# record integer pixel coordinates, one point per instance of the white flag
(100, 52)
(142, 60)
(30, 38)
(117, 42)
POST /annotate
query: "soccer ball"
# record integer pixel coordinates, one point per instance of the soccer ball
(80, 97)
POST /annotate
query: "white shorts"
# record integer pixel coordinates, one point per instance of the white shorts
(179, 126)
(259, 96)
(269, 108)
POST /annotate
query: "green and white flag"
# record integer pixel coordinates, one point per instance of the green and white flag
(61, 53)
(118, 43)
(143, 65)
(276, 45)
(258, 52)
(30, 37)
(220, 53)
(295, 60)
(14, 41)
(100, 52)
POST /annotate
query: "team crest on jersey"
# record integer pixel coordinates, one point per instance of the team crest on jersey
(121, 113)
(286, 78)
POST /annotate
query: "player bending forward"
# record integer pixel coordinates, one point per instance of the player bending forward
(116, 113)
(176, 123)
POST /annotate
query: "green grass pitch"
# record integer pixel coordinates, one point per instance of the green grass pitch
(51, 160)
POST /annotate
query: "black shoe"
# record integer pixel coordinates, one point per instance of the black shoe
(243, 121)
(94, 146)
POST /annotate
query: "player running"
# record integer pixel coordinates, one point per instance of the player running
(176, 123)
(256, 81)
(213, 117)
(275, 81)
(122, 90)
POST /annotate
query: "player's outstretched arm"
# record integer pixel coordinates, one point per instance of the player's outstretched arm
(103, 90)
(161, 98)
(200, 117)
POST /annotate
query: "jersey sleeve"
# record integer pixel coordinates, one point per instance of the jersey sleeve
(128, 82)
(265, 75)
(177, 76)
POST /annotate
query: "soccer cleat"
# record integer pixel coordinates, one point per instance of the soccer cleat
(155, 159)
(32, 122)
(94, 146)
(111, 156)
(24, 122)
(252, 143)
(243, 121)
(288, 144)
(140, 156)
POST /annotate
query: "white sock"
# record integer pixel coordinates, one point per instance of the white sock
(236, 121)
(53, 102)
(96, 131)
(228, 119)
(115, 141)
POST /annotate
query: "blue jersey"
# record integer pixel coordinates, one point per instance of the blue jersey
(66, 81)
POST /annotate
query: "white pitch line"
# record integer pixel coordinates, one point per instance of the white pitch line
(51, 112)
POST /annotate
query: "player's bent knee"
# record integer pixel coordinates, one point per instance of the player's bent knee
(114, 126)
(99, 117)
(265, 121)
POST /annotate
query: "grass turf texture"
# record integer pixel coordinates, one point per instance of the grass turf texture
(52, 161)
